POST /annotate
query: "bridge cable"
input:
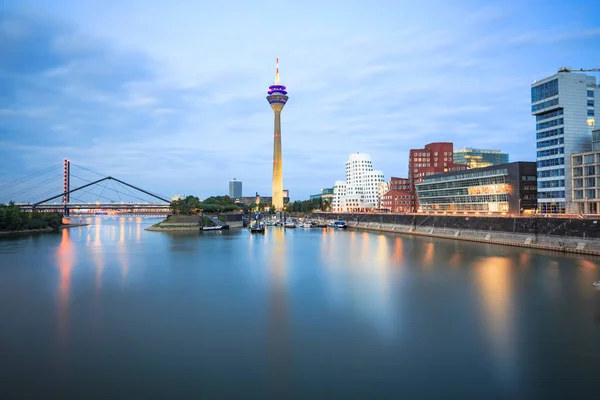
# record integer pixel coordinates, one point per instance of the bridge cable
(23, 191)
(31, 176)
(130, 195)
(113, 185)
(86, 191)
(103, 175)
(42, 195)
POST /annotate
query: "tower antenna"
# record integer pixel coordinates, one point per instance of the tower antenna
(277, 71)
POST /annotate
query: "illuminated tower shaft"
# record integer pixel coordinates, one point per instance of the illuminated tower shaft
(277, 97)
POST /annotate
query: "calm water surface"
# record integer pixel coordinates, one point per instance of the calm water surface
(112, 311)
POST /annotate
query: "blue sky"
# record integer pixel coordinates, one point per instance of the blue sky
(171, 95)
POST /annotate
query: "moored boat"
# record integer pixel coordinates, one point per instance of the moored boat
(212, 228)
(597, 283)
(338, 224)
(257, 228)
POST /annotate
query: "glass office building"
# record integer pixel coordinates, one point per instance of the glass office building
(504, 189)
(478, 158)
(564, 109)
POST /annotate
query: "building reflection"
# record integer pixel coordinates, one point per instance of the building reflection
(428, 255)
(493, 276)
(65, 258)
(398, 251)
(279, 330)
(364, 283)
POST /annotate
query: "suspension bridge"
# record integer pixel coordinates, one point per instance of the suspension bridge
(58, 189)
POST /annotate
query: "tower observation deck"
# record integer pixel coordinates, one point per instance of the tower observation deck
(277, 98)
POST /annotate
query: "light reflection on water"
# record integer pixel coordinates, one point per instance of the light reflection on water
(296, 308)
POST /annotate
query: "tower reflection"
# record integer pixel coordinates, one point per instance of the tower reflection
(279, 341)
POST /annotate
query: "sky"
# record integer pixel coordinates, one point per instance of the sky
(170, 96)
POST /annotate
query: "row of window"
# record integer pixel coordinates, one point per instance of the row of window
(587, 159)
(590, 103)
(590, 93)
(544, 90)
(590, 113)
(546, 104)
(552, 162)
(551, 142)
(554, 194)
(548, 124)
(551, 173)
(550, 114)
(485, 198)
(587, 171)
(584, 194)
(550, 133)
(528, 178)
(589, 182)
(551, 184)
(490, 207)
(551, 152)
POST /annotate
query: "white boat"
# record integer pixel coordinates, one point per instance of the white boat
(338, 224)
(212, 228)
(597, 283)
(290, 224)
(307, 225)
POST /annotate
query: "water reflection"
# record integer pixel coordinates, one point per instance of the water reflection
(494, 282)
(122, 250)
(279, 336)
(363, 281)
(65, 260)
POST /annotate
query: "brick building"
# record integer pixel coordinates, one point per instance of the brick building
(434, 158)
(398, 198)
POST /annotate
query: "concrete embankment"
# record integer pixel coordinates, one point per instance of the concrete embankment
(188, 223)
(545, 242)
(43, 230)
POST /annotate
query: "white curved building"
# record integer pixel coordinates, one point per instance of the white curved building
(360, 190)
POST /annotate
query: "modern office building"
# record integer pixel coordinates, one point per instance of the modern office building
(477, 158)
(235, 189)
(277, 98)
(397, 198)
(326, 194)
(563, 106)
(585, 175)
(435, 158)
(596, 140)
(359, 192)
(498, 189)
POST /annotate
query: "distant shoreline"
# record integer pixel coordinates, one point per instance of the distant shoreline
(42, 230)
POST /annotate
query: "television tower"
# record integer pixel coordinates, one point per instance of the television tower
(277, 97)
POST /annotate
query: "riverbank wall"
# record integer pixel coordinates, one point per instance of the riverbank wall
(192, 222)
(43, 230)
(581, 236)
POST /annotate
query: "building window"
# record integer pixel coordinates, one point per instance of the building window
(544, 90)
(590, 170)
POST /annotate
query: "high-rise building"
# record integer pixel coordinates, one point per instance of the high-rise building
(596, 140)
(277, 98)
(359, 192)
(235, 189)
(435, 158)
(478, 158)
(563, 106)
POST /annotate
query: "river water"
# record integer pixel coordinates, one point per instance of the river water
(110, 310)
